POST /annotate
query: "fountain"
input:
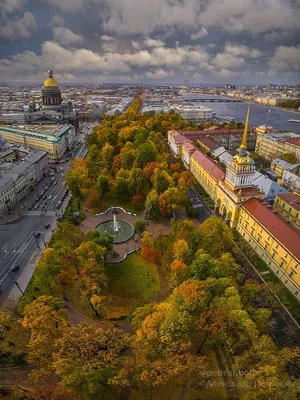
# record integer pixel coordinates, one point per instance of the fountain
(120, 230)
(116, 226)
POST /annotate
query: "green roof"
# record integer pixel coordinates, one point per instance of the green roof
(36, 135)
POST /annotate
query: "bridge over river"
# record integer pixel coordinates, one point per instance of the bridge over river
(211, 100)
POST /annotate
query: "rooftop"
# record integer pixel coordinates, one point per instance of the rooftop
(209, 165)
(50, 133)
(284, 164)
(208, 143)
(287, 236)
(292, 199)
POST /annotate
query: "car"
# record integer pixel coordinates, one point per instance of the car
(37, 234)
(36, 206)
(45, 198)
(47, 226)
(47, 187)
(15, 268)
(50, 197)
(55, 183)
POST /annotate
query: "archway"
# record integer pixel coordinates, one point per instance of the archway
(217, 206)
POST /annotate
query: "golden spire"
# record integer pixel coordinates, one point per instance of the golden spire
(243, 145)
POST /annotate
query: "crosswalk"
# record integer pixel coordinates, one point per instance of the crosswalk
(23, 247)
(40, 213)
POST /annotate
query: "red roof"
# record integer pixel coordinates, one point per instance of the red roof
(292, 199)
(189, 146)
(295, 141)
(289, 238)
(207, 163)
(208, 143)
(219, 131)
(248, 191)
(179, 139)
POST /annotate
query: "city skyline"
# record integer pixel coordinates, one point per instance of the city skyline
(255, 42)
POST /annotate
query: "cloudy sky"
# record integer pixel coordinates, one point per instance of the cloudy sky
(202, 41)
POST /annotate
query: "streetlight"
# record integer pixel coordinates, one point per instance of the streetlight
(16, 283)
(36, 240)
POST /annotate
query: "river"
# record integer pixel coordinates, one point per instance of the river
(278, 119)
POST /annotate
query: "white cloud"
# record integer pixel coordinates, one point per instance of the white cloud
(148, 42)
(241, 50)
(11, 6)
(226, 73)
(106, 38)
(57, 20)
(285, 58)
(203, 32)
(159, 74)
(65, 36)
(247, 15)
(226, 60)
(16, 28)
(276, 36)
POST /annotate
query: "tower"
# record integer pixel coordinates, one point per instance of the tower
(240, 172)
(51, 93)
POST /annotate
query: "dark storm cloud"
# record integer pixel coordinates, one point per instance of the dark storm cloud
(200, 40)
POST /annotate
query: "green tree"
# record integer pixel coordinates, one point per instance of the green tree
(216, 236)
(139, 225)
(102, 187)
(290, 158)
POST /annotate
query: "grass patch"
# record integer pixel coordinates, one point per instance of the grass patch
(131, 283)
(204, 195)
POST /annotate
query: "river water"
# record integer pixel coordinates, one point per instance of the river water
(278, 119)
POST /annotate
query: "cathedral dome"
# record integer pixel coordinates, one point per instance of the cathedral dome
(50, 81)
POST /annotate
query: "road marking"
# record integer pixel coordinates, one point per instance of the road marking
(4, 246)
(40, 213)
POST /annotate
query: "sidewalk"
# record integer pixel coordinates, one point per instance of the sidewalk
(25, 203)
(26, 275)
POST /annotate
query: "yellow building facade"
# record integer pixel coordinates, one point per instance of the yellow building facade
(288, 205)
(54, 140)
(273, 240)
(241, 205)
(275, 145)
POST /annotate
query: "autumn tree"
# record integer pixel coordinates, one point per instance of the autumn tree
(89, 359)
(290, 158)
(47, 321)
(77, 176)
(216, 236)
(148, 251)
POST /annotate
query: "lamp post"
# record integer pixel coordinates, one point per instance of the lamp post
(37, 243)
(16, 283)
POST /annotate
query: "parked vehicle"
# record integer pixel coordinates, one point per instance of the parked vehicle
(15, 268)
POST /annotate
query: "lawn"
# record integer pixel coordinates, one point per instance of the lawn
(131, 283)
(112, 200)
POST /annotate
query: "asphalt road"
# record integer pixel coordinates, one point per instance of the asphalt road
(18, 241)
(199, 204)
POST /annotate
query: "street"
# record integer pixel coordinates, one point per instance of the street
(199, 204)
(26, 237)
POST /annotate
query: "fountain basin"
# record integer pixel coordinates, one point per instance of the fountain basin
(125, 230)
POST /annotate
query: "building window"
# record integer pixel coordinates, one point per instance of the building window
(282, 264)
(269, 237)
(286, 255)
(276, 247)
(291, 274)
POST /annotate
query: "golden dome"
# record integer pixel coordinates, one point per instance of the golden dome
(50, 82)
(242, 159)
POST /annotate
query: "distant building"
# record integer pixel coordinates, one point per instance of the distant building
(275, 145)
(228, 138)
(196, 113)
(55, 139)
(20, 179)
(288, 205)
(279, 166)
(52, 109)
(13, 118)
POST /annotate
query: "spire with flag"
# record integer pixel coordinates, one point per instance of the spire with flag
(243, 145)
